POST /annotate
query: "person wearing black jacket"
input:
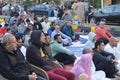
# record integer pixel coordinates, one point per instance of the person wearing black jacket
(13, 66)
(37, 55)
(104, 61)
(37, 25)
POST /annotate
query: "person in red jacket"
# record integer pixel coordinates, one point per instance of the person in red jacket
(3, 29)
(102, 33)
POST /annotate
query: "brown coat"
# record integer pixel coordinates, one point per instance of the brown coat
(80, 11)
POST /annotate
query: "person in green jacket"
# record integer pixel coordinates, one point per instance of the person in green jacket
(61, 53)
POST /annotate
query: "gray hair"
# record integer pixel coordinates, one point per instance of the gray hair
(6, 38)
(87, 50)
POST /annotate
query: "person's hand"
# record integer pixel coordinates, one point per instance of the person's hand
(115, 61)
(70, 40)
(65, 43)
(33, 76)
(55, 62)
(73, 37)
(118, 74)
(65, 13)
(83, 76)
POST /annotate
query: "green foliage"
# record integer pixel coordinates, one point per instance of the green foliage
(33, 2)
(30, 3)
(56, 1)
(95, 3)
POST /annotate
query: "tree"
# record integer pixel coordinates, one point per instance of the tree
(95, 3)
(56, 1)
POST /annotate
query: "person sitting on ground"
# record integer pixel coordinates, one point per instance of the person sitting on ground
(14, 19)
(37, 55)
(60, 12)
(45, 25)
(82, 69)
(43, 18)
(8, 31)
(61, 53)
(52, 28)
(104, 61)
(4, 22)
(47, 43)
(91, 40)
(102, 33)
(66, 16)
(111, 47)
(30, 26)
(13, 12)
(20, 47)
(67, 29)
(21, 27)
(66, 40)
(95, 75)
(27, 37)
(14, 29)
(13, 66)
(27, 22)
(37, 25)
(4, 29)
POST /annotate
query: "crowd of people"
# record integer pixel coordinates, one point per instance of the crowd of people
(26, 40)
(106, 50)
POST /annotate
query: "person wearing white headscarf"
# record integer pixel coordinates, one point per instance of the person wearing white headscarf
(91, 40)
